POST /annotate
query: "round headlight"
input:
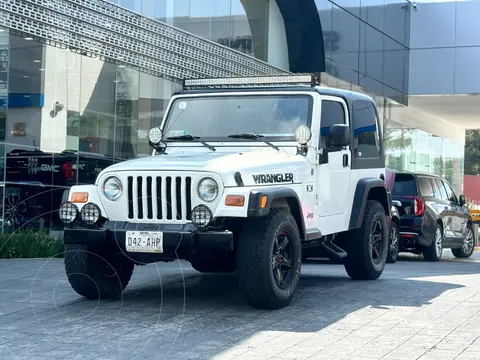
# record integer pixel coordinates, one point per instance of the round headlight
(201, 216)
(208, 189)
(90, 213)
(68, 212)
(155, 135)
(112, 188)
(303, 135)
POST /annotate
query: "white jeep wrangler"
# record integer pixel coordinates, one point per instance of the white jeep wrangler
(246, 175)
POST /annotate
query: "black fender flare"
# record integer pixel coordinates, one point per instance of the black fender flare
(255, 200)
(364, 187)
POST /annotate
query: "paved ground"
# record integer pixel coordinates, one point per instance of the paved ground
(416, 310)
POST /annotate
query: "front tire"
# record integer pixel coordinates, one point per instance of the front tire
(468, 246)
(269, 259)
(96, 276)
(394, 244)
(367, 247)
(434, 251)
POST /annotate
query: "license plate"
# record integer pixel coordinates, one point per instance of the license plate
(144, 241)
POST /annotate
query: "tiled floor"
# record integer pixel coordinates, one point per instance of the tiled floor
(416, 310)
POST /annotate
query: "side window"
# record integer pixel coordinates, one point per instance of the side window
(425, 186)
(333, 113)
(440, 192)
(450, 193)
(366, 130)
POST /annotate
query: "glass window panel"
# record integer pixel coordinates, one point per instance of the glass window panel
(161, 10)
(242, 39)
(221, 22)
(125, 128)
(4, 59)
(395, 20)
(181, 14)
(134, 5)
(371, 52)
(440, 191)
(153, 100)
(448, 153)
(200, 18)
(373, 12)
(333, 113)
(97, 111)
(436, 163)
(330, 38)
(348, 29)
(422, 151)
(425, 186)
(366, 141)
(394, 57)
(450, 193)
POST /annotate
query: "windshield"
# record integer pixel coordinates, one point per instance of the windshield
(276, 116)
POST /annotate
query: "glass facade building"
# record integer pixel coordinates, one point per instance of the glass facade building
(66, 114)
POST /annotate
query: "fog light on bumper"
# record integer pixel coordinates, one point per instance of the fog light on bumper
(201, 216)
(68, 212)
(90, 213)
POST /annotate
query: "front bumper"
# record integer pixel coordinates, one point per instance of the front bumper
(179, 241)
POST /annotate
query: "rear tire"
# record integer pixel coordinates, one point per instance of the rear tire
(96, 276)
(394, 245)
(434, 251)
(468, 246)
(367, 247)
(269, 259)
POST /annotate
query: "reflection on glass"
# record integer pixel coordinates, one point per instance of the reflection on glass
(436, 160)
(418, 151)
(68, 117)
(124, 130)
(4, 59)
(209, 117)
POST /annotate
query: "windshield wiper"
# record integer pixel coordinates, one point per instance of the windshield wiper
(191, 138)
(250, 136)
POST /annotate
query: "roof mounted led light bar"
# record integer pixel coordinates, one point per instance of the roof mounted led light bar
(252, 81)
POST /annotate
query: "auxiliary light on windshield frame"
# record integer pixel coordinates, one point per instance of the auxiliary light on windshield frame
(251, 81)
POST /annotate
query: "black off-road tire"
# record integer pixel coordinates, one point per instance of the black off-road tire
(460, 253)
(91, 275)
(392, 256)
(359, 262)
(254, 260)
(214, 266)
(430, 253)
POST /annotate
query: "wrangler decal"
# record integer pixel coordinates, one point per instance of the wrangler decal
(273, 178)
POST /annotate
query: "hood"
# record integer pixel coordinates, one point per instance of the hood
(275, 166)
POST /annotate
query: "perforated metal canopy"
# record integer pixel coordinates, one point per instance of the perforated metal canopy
(101, 29)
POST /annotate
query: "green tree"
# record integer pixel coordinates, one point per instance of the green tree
(472, 152)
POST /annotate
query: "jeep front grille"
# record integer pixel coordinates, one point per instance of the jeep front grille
(165, 198)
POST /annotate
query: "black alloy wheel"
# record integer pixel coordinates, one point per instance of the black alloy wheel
(281, 258)
(394, 241)
(376, 241)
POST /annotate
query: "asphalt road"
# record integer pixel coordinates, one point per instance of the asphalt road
(416, 310)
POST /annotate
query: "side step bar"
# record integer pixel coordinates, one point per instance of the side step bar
(333, 249)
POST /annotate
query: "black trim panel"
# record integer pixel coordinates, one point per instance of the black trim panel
(306, 51)
(360, 199)
(182, 238)
(255, 199)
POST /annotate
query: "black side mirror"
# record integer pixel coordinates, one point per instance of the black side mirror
(339, 136)
(461, 200)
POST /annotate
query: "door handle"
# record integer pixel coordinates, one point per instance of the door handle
(345, 160)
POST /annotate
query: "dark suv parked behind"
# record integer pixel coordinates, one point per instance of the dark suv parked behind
(432, 218)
